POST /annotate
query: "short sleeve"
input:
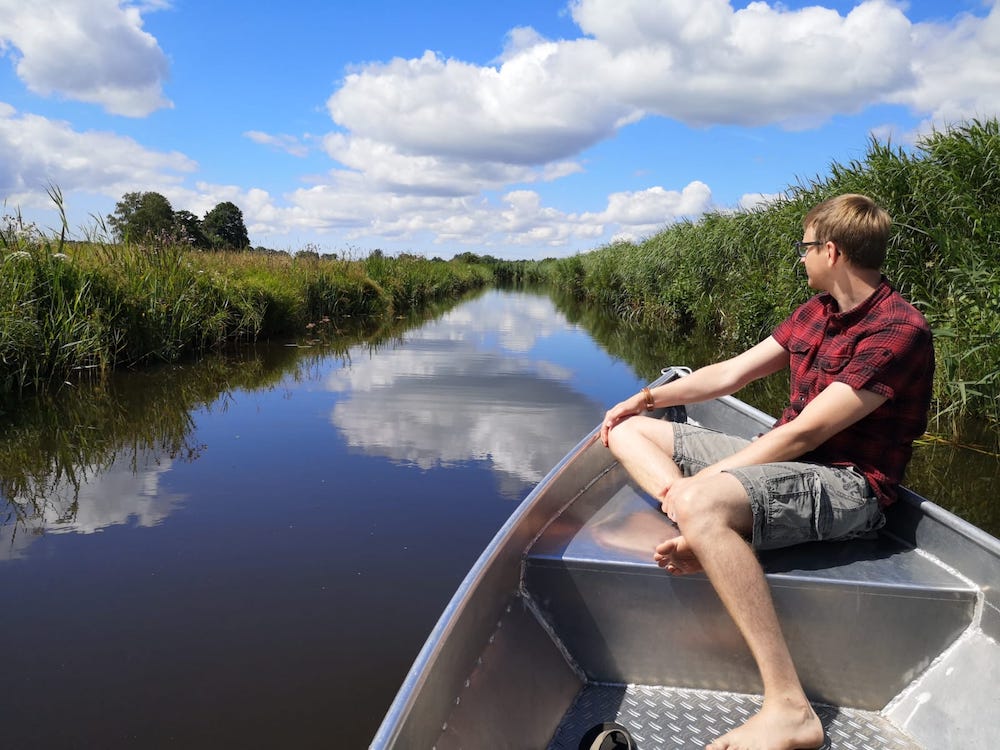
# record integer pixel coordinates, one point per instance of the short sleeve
(883, 361)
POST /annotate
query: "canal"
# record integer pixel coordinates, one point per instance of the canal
(248, 551)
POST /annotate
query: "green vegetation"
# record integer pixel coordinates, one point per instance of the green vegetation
(69, 309)
(149, 217)
(731, 277)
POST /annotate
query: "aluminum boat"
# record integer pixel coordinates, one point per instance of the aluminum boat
(565, 622)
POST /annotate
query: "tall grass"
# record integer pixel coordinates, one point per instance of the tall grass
(733, 276)
(72, 308)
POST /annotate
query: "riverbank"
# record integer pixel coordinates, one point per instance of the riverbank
(732, 277)
(73, 309)
(69, 309)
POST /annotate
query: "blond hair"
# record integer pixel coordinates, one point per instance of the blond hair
(857, 225)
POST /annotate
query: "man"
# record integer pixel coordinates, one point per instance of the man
(861, 361)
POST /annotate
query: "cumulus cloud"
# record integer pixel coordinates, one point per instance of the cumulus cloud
(696, 61)
(957, 73)
(89, 50)
(36, 151)
(437, 127)
(439, 150)
(386, 168)
(533, 109)
(519, 218)
(751, 201)
(704, 62)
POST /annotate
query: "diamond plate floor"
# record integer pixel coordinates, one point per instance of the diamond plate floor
(670, 718)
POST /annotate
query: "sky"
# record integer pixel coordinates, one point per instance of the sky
(518, 129)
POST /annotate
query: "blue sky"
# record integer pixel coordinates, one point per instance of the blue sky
(522, 129)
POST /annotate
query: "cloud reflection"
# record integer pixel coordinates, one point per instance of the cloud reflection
(471, 386)
(127, 491)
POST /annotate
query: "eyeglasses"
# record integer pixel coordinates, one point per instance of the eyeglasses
(803, 247)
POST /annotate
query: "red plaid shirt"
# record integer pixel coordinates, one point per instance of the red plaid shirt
(883, 345)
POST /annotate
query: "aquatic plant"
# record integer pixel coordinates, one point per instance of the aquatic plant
(732, 276)
(70, 309)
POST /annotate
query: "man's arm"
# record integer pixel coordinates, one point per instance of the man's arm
(712, 381)
(835, 409)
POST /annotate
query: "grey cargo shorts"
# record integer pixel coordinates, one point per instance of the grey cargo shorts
(791, 501)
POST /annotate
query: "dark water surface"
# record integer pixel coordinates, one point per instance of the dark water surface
(249, 552)
(251, 556)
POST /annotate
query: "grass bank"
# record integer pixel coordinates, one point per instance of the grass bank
(734, 276)
(67, 309)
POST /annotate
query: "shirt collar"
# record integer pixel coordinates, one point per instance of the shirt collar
(855, 314)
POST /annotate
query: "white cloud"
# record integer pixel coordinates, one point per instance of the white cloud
(520, 219)
(36, 151)
(89, 50)
(654, 206)
(750, 201)
(385, 168)
(957, 69)
(436, 150)
(535, 108)
(697, 61)
(287, 143)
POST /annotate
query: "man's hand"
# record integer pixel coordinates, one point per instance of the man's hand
(619, 413)
(666, 497)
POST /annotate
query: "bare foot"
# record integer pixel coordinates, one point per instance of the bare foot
(676, 555)
(778, 726)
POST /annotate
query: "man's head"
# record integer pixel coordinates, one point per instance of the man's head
(856, 225)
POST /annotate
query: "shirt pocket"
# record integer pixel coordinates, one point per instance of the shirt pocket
(800, 352)
(834, 358)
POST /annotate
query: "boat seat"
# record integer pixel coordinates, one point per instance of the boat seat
(862, 618)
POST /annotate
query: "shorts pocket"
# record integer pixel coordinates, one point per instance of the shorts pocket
(794, 513)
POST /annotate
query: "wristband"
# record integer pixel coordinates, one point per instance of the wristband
(648, 396)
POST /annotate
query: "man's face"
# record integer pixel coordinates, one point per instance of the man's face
(815, 254)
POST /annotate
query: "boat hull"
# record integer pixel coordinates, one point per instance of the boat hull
(565, 619)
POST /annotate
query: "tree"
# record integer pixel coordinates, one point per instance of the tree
(224, 227)
(139, 216)
(188, 229)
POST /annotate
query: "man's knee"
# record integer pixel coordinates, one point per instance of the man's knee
(625, 433)
(718, 503)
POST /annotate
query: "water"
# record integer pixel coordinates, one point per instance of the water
(251, 555)
(249, 552)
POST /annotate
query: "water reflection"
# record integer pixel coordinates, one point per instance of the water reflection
(93, 455)
(285, 523)
(482, 383)
(125, 492)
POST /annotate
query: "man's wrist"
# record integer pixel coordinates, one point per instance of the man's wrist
(647, 399)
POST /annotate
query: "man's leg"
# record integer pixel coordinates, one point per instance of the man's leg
(645, 449)
(714, 515)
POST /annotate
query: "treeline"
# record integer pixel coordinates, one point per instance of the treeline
(732, 277)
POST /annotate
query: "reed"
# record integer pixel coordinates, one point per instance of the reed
(733, 276)
(69, 309)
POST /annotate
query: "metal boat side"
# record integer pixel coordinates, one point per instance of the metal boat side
(419, 714)
(565, 609)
